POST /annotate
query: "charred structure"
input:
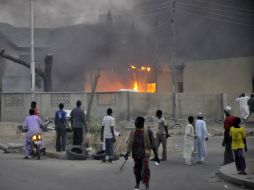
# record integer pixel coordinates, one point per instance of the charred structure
(123, 45)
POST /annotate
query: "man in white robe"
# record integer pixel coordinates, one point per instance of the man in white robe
(202, 137)
(189, 141)
(244, 108)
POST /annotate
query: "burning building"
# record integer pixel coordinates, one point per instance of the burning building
(134, 53)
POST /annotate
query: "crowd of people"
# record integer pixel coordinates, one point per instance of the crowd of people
(142, 140)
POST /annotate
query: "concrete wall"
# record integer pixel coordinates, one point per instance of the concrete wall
(211, 105)
(125, 105)
(147, 104)
(219, 76)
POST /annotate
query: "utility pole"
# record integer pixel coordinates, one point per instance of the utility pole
(172, 58)
(94, 85)
(32, 62)
(1, 84)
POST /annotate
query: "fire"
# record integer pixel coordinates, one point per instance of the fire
(133, 67)
(151, 87)
(138, 79)
(135, 86)
(140, 76)
(143, 68)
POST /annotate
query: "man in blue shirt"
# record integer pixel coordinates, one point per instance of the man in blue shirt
(60, 126)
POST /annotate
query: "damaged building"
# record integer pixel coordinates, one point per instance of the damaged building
(133, 51)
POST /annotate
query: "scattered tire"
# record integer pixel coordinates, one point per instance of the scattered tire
(76, 152)
(99, 155)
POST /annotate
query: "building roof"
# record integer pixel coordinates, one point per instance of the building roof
(20, 36)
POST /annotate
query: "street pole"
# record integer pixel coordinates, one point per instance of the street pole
(1, 85)
(32, 62)
(172, 60)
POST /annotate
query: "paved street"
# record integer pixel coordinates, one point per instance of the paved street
(51, 174)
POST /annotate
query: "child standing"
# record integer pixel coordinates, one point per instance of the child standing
(238, 143)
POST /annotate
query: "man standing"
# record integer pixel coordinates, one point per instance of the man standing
(228, 123)
(78, 123)
(244, 109)
(107, 134)
(202, 137)
(189, 137)
(162, 134)
(251, 104)
(32, 125)
(60, 126)
(140, 144)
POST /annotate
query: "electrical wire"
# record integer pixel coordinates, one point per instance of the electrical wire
(211, 14)
(192, 12)
(224, 5)
(205, 5)
(215, 12)
(221, 16)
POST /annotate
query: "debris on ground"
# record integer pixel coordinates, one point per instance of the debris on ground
(11, 147)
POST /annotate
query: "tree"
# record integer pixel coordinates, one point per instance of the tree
(46, 75)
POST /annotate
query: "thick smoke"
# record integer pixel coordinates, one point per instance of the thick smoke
(207, 29)
(55, 13)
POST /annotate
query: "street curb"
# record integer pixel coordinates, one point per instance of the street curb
(234, 180)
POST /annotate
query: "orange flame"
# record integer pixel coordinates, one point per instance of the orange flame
(135, 86)
(151, 87)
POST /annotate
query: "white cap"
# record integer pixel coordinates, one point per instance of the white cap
(200, 114)
(227, 108)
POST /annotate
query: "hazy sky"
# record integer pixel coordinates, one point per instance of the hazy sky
(50, 13)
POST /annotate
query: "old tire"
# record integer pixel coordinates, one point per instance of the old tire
(100, 155)
(76, 152)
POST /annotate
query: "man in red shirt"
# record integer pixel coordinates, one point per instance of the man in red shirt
(228, 123)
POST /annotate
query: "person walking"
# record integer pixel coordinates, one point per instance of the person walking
(108, 135)
(162, 134)
(228, 123)
(140, 144)
(189, 141)
(238, 144)
(201, 138)
(78, 123)
(243, 103)
(60, 127)
(251, 104)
